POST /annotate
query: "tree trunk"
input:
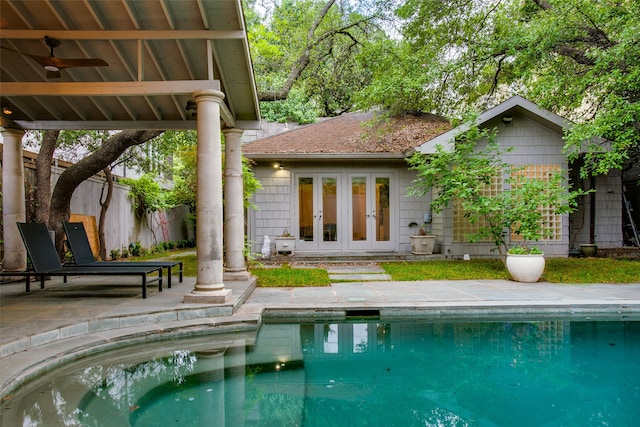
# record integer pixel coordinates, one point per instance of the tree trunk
(43, 175)
(104, 206)
(72, 177)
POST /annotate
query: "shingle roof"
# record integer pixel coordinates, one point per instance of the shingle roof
(353, 133)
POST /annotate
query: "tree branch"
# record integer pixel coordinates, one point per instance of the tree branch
(305, 56)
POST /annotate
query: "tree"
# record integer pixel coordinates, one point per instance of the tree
(43, 175)
(578, 58)
(73, 176)
(306, 54)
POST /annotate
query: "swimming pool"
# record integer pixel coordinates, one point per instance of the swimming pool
(360, 372)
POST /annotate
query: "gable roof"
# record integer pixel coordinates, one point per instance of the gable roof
(515, 105)
(350, 135)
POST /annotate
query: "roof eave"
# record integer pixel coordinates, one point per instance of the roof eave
(325, 156)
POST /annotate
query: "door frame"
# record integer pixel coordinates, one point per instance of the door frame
(370, 243)
(318, 243)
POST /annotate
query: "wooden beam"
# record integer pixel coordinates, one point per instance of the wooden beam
(147, 88)
(123, 35)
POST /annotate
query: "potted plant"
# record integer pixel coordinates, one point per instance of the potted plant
(422, 243)
(588, 249)
(285, 243)
(525, 264)
(465, 171)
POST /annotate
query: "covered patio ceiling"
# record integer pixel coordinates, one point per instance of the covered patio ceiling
(158, 53)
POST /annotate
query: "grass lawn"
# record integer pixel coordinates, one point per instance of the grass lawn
(286, 276)
(560, 270)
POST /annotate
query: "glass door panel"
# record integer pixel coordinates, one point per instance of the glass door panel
(359, 208)
(329, 209)
(305, 208)
(372, 212)
(318, 212)
(381, 212)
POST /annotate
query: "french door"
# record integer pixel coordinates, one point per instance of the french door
(371, 215)
(343, 211)
(318, 211)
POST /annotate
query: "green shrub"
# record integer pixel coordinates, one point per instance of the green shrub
(115, 253)
(135, 249)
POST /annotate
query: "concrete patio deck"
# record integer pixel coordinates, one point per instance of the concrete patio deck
(40, 328)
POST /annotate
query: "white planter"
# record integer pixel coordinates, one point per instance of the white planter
(525, 268)
(285, 245)
(422, 245)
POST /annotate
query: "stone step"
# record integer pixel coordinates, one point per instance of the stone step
(360, 277)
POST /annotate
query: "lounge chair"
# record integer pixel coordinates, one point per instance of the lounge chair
(45, 261)
(78, 244)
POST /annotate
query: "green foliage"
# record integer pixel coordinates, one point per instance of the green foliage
(521, 250)
(115, 253)
(185, 178)
(305, 55)
(296, 108)
(147, 194)
(135, 249)
(465, 170)
(150, 157)
(577, 58)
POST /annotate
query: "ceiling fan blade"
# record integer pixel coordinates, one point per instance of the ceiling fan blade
(76, 62)
(61, 63)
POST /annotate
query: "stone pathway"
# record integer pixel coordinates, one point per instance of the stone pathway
(370, 272)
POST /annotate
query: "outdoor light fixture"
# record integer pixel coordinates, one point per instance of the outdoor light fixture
(278, 165)
(507, 119)
(7, 111)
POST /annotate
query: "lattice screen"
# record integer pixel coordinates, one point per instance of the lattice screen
(461, 225)
(551, 222)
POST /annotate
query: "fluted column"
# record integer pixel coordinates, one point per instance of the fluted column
(209, 287)
(13, 206)
(236, 268)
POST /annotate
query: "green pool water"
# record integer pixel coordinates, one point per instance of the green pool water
(361, 373)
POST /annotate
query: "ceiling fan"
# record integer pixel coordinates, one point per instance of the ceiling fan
(53, 64)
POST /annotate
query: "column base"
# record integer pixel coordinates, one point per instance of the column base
(208, 297)
(236, 276)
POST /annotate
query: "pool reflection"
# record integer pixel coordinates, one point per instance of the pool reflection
(552, 372)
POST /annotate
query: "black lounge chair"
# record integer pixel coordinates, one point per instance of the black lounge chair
(45, 261)
(78, 244)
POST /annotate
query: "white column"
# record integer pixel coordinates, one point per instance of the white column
(209, 287)
(13, 205)
(236, 268)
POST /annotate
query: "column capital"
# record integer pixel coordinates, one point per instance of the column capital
(233, 131)
(211, 94)
(12, 131)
